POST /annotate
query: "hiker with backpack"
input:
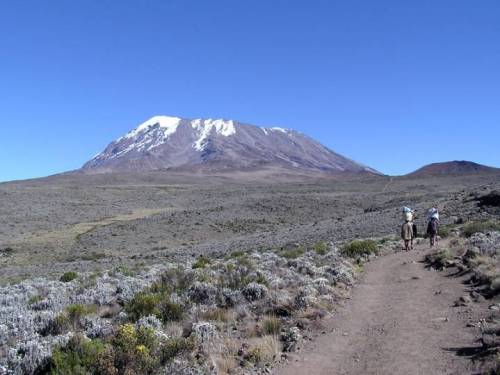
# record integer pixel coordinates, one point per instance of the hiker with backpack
(407, 229)
(407, 235)
(433, 226)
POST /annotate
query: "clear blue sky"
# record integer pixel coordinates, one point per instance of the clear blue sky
(393, 84)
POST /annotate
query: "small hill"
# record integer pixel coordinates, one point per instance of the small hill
(172, 143)
(455, 167)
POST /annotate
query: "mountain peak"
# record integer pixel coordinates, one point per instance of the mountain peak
(165, 142)
(168, 123)
(453, 167)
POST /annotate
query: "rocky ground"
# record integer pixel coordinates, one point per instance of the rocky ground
(152, 273)
(83, 223)
(475, 259)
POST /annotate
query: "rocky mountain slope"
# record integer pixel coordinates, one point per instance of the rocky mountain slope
(164, 142)
(452, 168)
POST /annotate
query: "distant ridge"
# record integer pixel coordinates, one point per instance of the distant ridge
(455, 167)
(212, 145)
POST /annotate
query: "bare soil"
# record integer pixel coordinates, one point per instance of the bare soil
(401, 319)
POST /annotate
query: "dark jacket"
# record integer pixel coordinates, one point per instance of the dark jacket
(432, 227)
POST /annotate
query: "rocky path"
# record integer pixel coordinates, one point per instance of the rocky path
(400, 320)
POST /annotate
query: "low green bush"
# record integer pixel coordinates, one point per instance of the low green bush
(201, 262)
(292, 253)
(321, 248)
(171, 311)
(80, 356)
(175, 346)
(176, 280)
(68, 276)
(35, 299)
(125, 271)
(77, 311)
(445, 230)
(130, 351)
(144, 304)
(136, 350)
(236, 254)
(357, 248)
(480, 227)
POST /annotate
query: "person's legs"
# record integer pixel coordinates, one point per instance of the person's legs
(411, 244)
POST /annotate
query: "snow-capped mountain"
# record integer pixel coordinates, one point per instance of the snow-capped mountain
(164, 142)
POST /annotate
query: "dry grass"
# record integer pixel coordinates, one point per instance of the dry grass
(272, 325)
(265, 349)
(173, 329)
(224, 354)
(218, 315)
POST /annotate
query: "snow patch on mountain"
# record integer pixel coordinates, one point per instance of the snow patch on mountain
(280, 130)
(204, 129)
(166, 123)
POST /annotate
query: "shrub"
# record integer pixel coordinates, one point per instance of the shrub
(136, 349)
(440, 258)
(237, 254)
(81, 356)
(147, 303)
(255, 355)
(358, 248)
(201, 262)
(35, 299)
(292, 253)
(175, 346)
(76, 311)
(321, 248)
(235, 277)
(57, 326)
(124, 270)
(261, 279)
(446, 229)
(144, 304)
(384, 240)
(175, 280)
(68, 276)
(245, 261)
(171, 311)
(272, 326)
(480, 227)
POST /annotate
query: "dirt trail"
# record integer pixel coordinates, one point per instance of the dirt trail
(400, 320)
